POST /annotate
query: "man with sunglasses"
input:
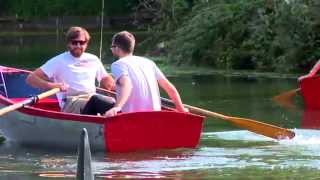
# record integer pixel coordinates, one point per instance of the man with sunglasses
(75, 72)
(137, 79)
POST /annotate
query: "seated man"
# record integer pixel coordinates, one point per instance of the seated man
(75, 73)
(137, 79)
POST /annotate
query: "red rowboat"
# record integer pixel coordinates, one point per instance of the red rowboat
(44, 125)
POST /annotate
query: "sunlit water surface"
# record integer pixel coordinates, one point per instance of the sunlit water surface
(231, 154)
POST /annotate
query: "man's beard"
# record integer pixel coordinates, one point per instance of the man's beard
(76, 52)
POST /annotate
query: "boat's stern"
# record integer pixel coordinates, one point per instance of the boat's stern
(152, 130)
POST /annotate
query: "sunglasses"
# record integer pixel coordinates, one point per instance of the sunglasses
(76, 42)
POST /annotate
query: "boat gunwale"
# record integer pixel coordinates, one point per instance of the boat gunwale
(35, 111)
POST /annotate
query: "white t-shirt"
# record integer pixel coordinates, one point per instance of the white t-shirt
(79, 73)
(143, 73)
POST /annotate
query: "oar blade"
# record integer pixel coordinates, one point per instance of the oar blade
(258, 127)
(265, 129)
(286, 98)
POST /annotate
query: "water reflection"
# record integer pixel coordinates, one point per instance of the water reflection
(30, 51)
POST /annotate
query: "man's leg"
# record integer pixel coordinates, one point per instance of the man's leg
(75, 104)
(98, 104)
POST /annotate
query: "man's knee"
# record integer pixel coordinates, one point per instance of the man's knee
(104, 99)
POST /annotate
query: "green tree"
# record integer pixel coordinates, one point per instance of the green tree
(271, 35)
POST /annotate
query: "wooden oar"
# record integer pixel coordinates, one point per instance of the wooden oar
(285, 98)
(28, 101)
(265, 129)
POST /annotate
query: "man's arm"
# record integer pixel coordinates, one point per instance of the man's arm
(312, 72)
(173, 94)
(315, 69)
(125, 90)
(39, 79)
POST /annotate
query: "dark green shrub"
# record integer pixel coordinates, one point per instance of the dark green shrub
(269, 35)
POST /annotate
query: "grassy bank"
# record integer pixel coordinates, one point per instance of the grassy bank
(193, 70)
(174, 70)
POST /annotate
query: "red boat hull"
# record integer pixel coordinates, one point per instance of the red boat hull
(126, 132)
(310, 90)
(311, 119)
(152, 130)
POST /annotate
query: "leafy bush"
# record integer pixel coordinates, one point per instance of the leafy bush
(269, 35)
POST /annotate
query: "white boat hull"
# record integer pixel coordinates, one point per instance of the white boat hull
(30, 130)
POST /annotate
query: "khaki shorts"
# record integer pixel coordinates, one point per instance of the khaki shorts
(75, 104)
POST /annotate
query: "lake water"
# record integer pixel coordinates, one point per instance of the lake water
(225, 151)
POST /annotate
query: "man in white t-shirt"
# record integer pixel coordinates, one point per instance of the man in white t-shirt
(75, 73)
(137, 79)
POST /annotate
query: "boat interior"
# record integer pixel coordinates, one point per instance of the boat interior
(13, 87)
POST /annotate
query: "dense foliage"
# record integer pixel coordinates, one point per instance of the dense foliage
(268, 35)
(40, 8)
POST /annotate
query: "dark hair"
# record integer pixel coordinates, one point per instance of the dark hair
(124, 40)
(74, 32)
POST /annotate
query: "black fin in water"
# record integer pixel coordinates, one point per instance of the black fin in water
(84, 168)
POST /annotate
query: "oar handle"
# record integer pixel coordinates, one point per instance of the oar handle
(204, 112)
(196, 110)
(48, 93)
(28, 101)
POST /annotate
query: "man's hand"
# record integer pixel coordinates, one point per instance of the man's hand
(112, 112)
(62, 86)
(185, 110)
